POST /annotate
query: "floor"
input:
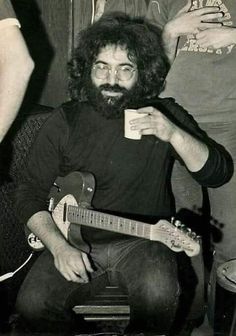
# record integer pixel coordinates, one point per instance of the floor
(203, 330)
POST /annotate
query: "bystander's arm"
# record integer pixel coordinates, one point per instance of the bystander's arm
(16, 67)
(217, 38)
(188, 22)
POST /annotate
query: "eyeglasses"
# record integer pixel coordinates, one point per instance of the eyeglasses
(122, 72)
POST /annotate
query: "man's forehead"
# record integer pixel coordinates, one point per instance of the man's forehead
(114, 54)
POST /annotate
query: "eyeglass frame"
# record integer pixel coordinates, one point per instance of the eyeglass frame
(118, 67)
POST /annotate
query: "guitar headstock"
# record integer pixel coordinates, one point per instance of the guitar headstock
(176, 236)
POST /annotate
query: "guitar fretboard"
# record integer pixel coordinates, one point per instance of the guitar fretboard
(107, 222)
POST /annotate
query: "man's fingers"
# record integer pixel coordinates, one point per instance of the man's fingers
(87, 262)
(73, 276)
(80, 270)
(148, 131)
(210, 17)
(73, 269)
(210, 25)
(206, 10)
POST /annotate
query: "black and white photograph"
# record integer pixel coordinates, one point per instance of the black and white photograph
(117, 159)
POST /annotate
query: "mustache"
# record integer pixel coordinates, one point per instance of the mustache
(113, 88)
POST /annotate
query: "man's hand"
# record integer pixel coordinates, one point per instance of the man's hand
(155, 123)
(188, 22)
(191, 22)
(193, 152)
(217, 37)
(72, 264)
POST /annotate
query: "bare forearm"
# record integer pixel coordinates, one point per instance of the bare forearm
(16, 67)
(193, 152)
(69, 261)
(43, 226)
(170, 41)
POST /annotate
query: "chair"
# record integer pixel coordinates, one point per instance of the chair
(14, 249)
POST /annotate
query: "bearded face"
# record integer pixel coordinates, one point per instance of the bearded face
(113, 83)
(111, 107)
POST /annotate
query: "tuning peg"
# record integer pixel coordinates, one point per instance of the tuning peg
(193, 235)
(178, 223)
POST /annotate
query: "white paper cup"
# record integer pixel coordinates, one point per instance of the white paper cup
(131, 114)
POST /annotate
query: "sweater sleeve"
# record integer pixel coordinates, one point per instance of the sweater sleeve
(219, 166)
(43, 167)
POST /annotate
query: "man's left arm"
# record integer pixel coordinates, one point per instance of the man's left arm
(209, 163)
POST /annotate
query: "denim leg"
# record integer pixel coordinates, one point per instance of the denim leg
(148, 271)
(46, 298)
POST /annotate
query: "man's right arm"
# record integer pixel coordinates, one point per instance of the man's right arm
(70, 262)
(43, 168)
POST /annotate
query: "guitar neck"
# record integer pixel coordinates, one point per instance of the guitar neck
(96, 219)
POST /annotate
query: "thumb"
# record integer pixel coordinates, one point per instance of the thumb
(87, 262)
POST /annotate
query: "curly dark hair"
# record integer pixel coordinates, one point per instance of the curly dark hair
(144, 47)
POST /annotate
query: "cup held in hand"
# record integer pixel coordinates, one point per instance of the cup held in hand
(131, 114)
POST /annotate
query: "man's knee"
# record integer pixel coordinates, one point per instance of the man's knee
(158, 291)
(156, 284)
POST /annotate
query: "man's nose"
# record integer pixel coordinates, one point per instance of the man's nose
(112, 77)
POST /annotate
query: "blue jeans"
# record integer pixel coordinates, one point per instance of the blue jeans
(146, 270)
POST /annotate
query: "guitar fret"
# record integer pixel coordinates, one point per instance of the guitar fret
(105, 221)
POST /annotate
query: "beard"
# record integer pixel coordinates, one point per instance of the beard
(111, 107)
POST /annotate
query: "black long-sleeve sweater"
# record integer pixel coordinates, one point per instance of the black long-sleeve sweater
(132, 177)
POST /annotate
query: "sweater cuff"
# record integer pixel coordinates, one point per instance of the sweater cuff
(216, 170)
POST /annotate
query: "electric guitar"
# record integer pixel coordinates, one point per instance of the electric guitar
(70, 207)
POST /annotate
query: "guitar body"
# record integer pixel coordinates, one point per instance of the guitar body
(70, 206)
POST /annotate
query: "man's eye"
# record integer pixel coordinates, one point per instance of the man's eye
(126, 68)
(101, 67)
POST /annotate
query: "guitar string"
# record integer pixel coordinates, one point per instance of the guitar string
(78, 209)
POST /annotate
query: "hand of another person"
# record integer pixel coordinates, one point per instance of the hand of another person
(216, 37)
(154, 123)
(191, 22)
(72, 264)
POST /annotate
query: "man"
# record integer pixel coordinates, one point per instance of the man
(200, 39)
(119, 63)
(16, 66)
